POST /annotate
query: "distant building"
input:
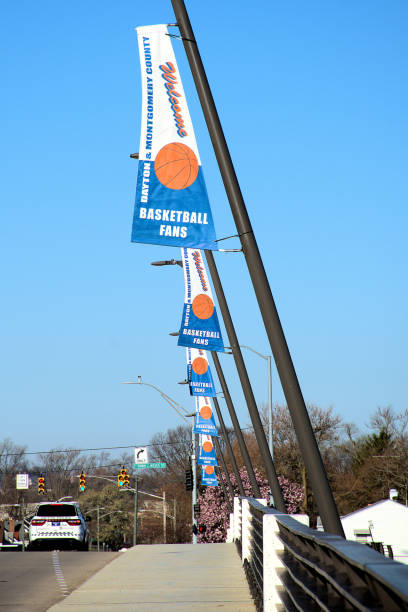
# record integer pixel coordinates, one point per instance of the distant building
(385, 521)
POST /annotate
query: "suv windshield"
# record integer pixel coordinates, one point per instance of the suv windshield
(56, 510)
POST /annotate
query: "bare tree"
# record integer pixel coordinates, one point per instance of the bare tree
(328, 429)
(60, 468)
(174, 448)
(12, 461)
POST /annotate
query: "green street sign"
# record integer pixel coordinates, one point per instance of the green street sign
(141, 466)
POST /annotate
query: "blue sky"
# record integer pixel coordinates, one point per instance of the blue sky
(313, 101)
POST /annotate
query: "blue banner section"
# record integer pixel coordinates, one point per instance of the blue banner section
(172, 217)
(200, 384)
(209, 477)
(204, 420)
(204, 457)
(200, 333)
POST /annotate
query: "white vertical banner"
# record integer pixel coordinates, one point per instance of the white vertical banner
(172, 206)
(199, 324)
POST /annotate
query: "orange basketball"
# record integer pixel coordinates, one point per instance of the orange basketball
(209, 469)
(176, 166)
(207, 446)
(205, 412)
(203, 306)
(200, 365)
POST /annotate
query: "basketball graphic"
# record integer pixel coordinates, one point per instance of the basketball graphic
(203, 306)
(176, 166)
(209, 469)
(200, 365)
(207, 446)
(205, 412)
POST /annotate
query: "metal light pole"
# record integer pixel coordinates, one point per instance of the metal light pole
(174, 519)
(164, 518)
(99, 518)
(194, 495)
(290, 384)
(135, 511)
(97, 523)
(22, 525)
(268, 358)
(175, 405)
(97, 528)
(184, 414)
(136, 492)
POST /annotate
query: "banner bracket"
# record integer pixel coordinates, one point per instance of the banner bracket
(227, 238)
(230, 250)
(181, 37)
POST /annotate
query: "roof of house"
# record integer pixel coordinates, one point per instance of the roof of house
(383, 502)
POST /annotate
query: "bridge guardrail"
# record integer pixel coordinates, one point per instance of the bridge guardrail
(293, 567)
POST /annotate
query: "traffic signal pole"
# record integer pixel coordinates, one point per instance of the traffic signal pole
(290, 384)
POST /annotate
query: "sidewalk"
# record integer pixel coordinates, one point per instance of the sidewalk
(166, 577)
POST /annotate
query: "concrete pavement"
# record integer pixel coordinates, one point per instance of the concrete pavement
(168, 577)
(36, 580)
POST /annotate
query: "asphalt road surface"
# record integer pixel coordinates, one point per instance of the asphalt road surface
(34, 581)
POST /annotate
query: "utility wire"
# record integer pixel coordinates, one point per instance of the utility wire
(101, 448)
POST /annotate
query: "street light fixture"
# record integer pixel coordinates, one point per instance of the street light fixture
(169, 262)
(175, 405)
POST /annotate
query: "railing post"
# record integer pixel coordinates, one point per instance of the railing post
(271, 563)
(245, 530)
(237, 519)
(230, 530)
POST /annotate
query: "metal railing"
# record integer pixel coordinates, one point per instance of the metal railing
(292, 567)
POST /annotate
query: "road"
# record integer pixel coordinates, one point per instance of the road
(34, 581)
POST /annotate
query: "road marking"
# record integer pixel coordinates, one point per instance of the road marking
(59, 573)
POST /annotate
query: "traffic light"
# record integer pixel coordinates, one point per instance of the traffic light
(195, 530)
(202, 528)
(189, 480)
(126, 479)
(82, 482)
(41, 485)
(121, 477)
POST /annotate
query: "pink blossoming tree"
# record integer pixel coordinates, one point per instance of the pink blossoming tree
(214, 511)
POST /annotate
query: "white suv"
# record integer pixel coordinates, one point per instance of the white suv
(59, 524)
